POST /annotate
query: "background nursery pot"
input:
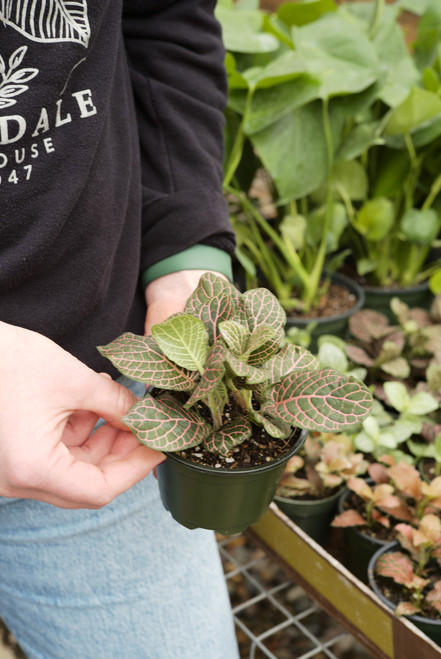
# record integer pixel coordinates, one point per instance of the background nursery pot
(429, 626)
(313, 516)
(359, 546)
(314, 480)
(336, 325)
(378, 298)
(228, 499)
(225, 391)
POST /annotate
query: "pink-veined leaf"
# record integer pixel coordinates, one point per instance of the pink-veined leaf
(318, 400)
(432, 490)
(209, 286)
(378, 518)
(229, 436)
(396, 565)
(243, 370)
(163, 424)
(217, 310)
(276, 428)
(368, 324)
(140, 358)
(262, 354)
(214, 300)
(290, 358)
(430, 526)
(259, 340)
(406, 478)
(213, 373)
(361, 488)
(263, 308)
(359, 355)
(235, 336)
(406, 609)
(433, 597)
(348, 518)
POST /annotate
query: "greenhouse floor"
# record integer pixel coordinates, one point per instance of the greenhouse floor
(275, 618)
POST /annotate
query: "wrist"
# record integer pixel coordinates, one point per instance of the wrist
(198, 257)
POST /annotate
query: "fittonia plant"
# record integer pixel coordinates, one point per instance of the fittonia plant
(226, 346)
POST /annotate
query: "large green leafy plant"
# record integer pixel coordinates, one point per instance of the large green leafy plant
(223, 353)
(344, 121)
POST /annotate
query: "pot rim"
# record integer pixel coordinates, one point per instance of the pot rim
(392, 546)
(343, 280)
(243, 470)
(356, 529)
(336, 495)
(396, 290)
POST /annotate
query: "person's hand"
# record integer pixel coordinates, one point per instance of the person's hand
(49, 404)
(168, 294)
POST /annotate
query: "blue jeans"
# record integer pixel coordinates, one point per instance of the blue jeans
(123, 582)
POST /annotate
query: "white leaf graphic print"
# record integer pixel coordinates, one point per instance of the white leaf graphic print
(12, 78)
(48, 20)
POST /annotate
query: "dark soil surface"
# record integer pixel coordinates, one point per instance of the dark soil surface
(335, 301)
(396, 593)
(258, 450)
(377, 531)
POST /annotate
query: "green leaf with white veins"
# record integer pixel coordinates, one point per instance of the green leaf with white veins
(184, 339)
(235, 336)
(163, 424)
(211, 377)
(140, 358)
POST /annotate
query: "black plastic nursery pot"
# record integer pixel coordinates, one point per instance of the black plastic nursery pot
(359, 546)
(313, 516)
(379, 299)
(224, 500)
(429, 626)
(338, 324)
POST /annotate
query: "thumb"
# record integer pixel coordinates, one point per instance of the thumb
(107, 398)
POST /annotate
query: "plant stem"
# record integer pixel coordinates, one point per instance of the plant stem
(435, 188)
(293, 260)
(376, 17)
(317, 271)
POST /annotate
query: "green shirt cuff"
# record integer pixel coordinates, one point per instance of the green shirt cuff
(197, 257)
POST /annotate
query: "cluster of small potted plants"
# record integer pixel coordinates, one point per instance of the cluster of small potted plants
(393, 503)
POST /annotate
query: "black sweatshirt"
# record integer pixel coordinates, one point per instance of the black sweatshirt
(111, 135)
